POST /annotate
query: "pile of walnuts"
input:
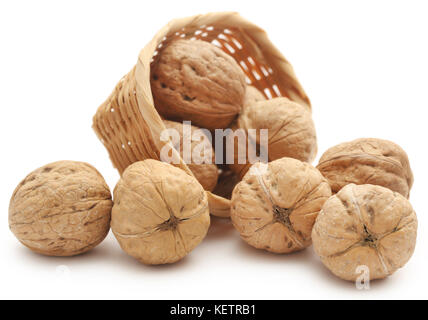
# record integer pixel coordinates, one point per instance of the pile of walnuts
(353, 206)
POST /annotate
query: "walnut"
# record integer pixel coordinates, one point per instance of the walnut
(61, 209)
(196, 81)
(365, 225)
(252, 96)
(160, 213)
(205, 173)
(275, 206)
(367, 161)
(291, 132)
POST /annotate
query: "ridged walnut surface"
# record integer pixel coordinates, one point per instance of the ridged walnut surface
(252, 96)
(275, 207)
(205, 173)
(196, 81)
(160, 213)
(291, 131)
(365, 225)
(61, 209)
(367, 161)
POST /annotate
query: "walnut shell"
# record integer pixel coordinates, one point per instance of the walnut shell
(365, 225)
(205, 173)
(291, 132)
(160, 213)
(367, 161)
(61, 209)
(196, 81)
(252, 96)
(275, 206)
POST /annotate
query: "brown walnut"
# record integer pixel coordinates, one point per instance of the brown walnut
(252, 96)
(205, 173)
(61, 209)
(196, 81)
(160, 213)
(367, 161)
(365, 225)
(291, 132)
(275, 206)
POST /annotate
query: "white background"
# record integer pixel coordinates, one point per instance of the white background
(363, 64)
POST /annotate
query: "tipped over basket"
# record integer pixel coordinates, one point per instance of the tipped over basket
(128, 124)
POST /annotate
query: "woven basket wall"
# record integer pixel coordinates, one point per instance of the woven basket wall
(128, 124)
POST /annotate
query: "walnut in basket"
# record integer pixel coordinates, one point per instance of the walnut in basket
(205, 173)
(275, 206)
(252, 96)
(365, 227)
(61, 209)
(291, 132)
(196, 81)
(160, 213)
(367, 161)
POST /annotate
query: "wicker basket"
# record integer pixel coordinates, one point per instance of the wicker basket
(128, 124)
